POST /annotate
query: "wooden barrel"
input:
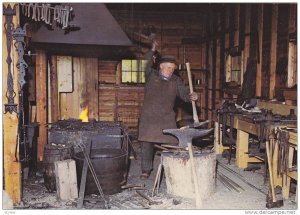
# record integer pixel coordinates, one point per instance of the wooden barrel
(54, 153)
(179, 177)
(111, 168)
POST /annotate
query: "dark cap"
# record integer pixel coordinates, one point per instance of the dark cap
(167, 59)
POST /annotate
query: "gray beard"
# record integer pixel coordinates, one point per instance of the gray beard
(164, 77)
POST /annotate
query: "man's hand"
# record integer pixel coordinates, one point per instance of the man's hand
(193, 96)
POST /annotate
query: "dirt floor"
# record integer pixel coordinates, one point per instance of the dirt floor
(248, 192)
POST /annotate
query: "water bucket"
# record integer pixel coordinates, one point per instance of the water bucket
(54, 153)
(110, 165)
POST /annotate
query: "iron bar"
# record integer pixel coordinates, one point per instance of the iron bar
(241, 177)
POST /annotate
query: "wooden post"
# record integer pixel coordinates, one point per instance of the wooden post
(277, 179)
(218, 145)
(260, 39)
(241, 149)
(287, 179)
(273, 51)
(41, 99)
(292, 18)
(12, 168)
(246, 51)
(54, 90)
(92, 86)
(237, 26)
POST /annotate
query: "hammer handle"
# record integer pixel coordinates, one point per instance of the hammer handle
(270, 170)
(195, 178)
(195, 115)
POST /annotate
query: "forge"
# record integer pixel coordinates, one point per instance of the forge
(109, 152)
(74, 132)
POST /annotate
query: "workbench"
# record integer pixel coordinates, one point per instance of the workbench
(243, 158)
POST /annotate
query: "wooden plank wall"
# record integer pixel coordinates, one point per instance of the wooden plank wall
(122, 104)
(118, 103)
(11, 167)
(107, 71)
(85, 87)
(41, 100)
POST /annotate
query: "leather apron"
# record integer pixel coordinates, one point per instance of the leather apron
(157, 112)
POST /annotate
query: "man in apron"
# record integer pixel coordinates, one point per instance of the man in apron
(161, 90)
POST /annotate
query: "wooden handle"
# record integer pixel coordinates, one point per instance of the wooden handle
(270, 170)
(195, 115)
(195, 179)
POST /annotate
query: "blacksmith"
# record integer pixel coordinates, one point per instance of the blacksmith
(161, 90)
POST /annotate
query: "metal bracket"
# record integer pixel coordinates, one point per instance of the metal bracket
(19, 34)
(9, 12)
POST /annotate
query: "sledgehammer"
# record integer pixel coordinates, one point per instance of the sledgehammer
(185, 137)
(195, 115)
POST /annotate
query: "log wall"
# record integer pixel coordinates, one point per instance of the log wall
(261, 31)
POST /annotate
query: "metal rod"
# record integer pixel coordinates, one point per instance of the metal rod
(222, 181)
(89, 162)
(241, 177)
(229, 184)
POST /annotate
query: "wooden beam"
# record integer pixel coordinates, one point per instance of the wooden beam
(246, 51)
(237, 25)
(92, 86)
(41, 99)
(292, 18)
(54, 90)
(12, 168)
(273, 51)
(259, 58)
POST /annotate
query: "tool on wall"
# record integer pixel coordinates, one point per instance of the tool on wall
(9, 12)
(61, 14)
(17, 37)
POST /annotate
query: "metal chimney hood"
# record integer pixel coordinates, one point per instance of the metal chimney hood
(97, 27)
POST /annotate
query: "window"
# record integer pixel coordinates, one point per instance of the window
(133, 71)
(233, 69)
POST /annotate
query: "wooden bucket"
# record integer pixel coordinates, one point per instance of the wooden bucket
(179, 177)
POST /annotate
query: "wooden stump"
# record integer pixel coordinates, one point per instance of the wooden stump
(178, 172)
(66, 179)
